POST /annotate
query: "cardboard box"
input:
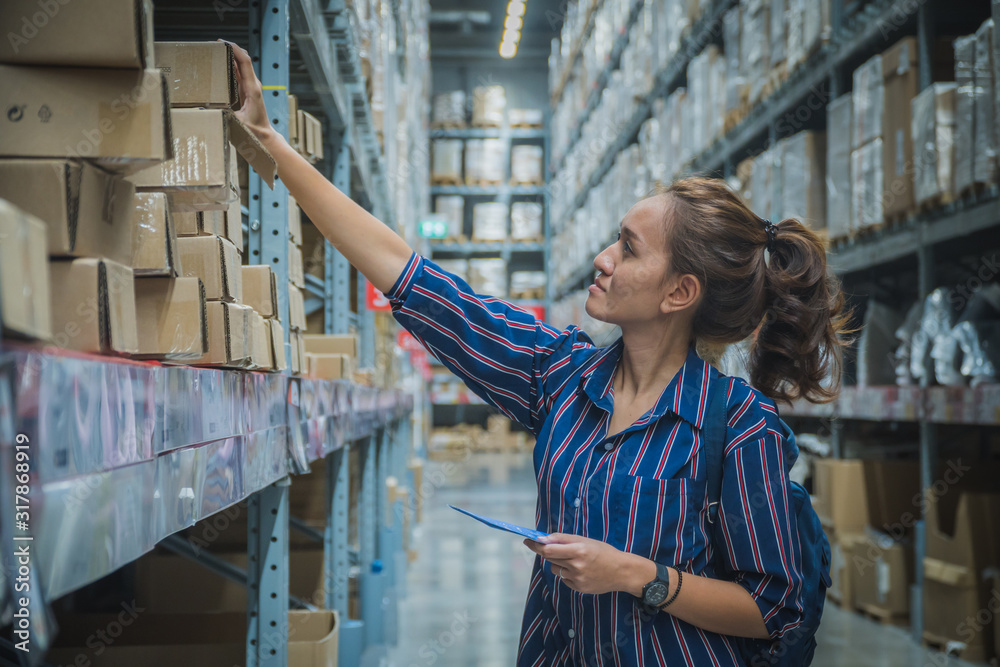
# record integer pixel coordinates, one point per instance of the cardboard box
(88, 211)
(869, 102)
(119, 117)
(842, 568)
(294, 139)
(171, 318)
(296, 274)
(933, 118)
(332, 344)
(228, 335)
(839, 486)
(296, 352)
(892, 491)
(277, 335)
(154, 240)
(188, 638)
(329, 366)
(199, 74)
(94, 308)
(963, 526)
(200, 175)
(294, 222)
(867, 192)
(296, 309)
(216, 262)
(900, 70)
(260, 343)
(199, 223)
(803, 168)
(883, 572)
(25, 299)
(260, 291)
(954, 596)
(97, 33)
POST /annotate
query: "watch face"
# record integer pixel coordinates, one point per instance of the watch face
(656, 594)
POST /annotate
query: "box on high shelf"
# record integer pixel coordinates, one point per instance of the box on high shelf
(25, 298)
(87, 210)
(933, 114)
(229, 335)
(199, 74)
(227, 223)
(803, 169)
(171, 317)
(97, 33)
(216, 261)
(154, 238)
(260, 290)
(116, 117)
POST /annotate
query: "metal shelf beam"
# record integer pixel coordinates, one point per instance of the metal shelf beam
(499, 246)
(488, 190)
(489, 133)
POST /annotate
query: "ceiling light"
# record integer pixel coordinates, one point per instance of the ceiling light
(511, 36)
(513, 23)
(515, 8)
(508, 50)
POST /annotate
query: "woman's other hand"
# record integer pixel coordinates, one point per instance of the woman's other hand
(583, 564)
(252, 111)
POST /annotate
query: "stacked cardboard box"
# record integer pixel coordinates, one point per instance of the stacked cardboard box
(933, 112)
(331, 357)
(975, 135)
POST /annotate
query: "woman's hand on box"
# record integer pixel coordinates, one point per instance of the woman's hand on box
(252, 111)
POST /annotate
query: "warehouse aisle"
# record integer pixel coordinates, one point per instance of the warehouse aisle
(465, 592)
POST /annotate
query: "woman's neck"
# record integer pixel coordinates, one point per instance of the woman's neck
(650, 360)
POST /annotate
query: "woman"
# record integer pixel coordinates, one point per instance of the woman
(618, 458)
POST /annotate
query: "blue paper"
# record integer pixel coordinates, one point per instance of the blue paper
(530, 533)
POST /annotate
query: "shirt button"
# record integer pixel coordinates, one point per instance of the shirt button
(576, 502)
(571, 632)
(609, 447)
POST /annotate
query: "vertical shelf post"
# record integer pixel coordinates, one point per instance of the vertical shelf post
(267, 577)
(335, 534)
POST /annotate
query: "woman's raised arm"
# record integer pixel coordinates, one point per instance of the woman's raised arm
(368, 244)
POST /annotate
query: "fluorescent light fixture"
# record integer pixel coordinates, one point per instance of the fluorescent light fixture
(511, 36)
(513, 23)
(512, 28)
(508, 50)
(515, 8)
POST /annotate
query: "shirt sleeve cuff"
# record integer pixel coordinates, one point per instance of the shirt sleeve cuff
(401, 289)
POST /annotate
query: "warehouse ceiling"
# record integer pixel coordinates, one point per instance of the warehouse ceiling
(469, 28)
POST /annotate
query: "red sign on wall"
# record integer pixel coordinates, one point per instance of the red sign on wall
(374, 299)
(406, 341)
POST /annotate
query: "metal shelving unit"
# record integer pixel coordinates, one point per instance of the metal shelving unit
(146, 450)
(498, 191)
(489, 133)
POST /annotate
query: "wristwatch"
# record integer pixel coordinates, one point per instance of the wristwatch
(655, 592)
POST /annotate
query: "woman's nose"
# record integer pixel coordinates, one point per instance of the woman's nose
(604, 264)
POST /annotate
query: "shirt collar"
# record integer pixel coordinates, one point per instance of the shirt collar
(686, 396)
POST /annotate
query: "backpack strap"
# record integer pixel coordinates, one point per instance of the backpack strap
(713, 438)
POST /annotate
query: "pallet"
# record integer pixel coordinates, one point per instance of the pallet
(484, 183)
(898, 218)
(515, 183)
(448, 125)
(533, 239)
(476, 239)
(734, 117)
(882, 616)
(527, 126)
(445, 180)
(485, 124)
(775, 79)
(461, 238)
(537, 294)
(936, 202)
(976, 653)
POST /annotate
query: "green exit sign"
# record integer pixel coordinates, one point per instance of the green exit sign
(433, 229)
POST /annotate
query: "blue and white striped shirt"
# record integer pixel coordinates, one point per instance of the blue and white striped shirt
(642, 490)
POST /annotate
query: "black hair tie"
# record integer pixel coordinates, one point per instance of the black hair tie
(772, 234)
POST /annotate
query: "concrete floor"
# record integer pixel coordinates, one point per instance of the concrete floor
(465, 592)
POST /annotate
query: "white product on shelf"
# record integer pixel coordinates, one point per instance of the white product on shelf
(488, 276)
(526, 165)
(458, 267)
(756, 51)
(937, 319)
(488, 105)
(525, 281)
(451, 208)
(933, 114)
(778, 33)
(803, 166)
(985, 160)
(965, 105)
(448, 109)
(839, 115)
(526, 117)
(866, 185)
(736, 86)
(446, 160)
(760, 183)
(489, 221)
(526, 221)
(485, 161)
(869, 102)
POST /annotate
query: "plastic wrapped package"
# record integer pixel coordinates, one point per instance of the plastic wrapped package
(933, 119)
(489, 221)
(876, 344)
(526, 117)
(866, 185)
(526, 221)
(526, 165)
(794, 33)
(488, 106)
(979, 343)
(804, 184)
(904, 335)
(526, 281)
(869, 102)
(965, 98)
(735, 81)
(761, 188)
(778, 32)
(451, 208)
(457, 267)
(488, 276)
(448, 109)
(839, 115)
(985, 156)
(699, 77)
(485, 161)
(756, 52)
(815, 25)
(717, 95)
(446, 160)
(937, 319)
(946, 353)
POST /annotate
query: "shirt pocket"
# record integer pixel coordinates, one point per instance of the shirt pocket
(656, 518)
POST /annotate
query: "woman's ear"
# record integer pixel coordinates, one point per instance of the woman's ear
(681, 293)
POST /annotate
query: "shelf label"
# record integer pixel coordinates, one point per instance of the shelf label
(374, 299)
